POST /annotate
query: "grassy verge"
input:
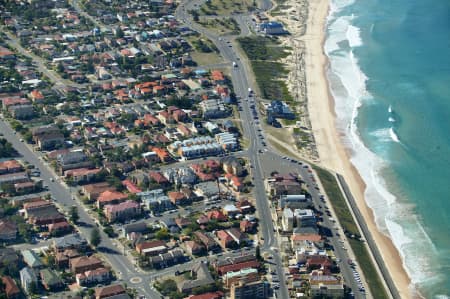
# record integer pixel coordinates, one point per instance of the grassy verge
(222, 26)
(264, 54)
(226, 7)
(344, 216)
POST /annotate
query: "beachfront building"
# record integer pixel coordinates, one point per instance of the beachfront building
(272, 28)
(295, 201)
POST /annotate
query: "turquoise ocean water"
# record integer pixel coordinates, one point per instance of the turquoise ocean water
(390, 76)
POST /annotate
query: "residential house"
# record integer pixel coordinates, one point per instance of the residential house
(138, 227)
(84, 263)
(167, 259)
(284, 184)
(8, 231)
(156, 200)
(230, 210)
(244, 290)
(232, 165)
(217, 215)
(110, 197)
(42, 213)
(287, 220)
(95, 276)
(14, 178)
(209, 295)
(245, 206)
(62, 258)
(207, 190)
(177, 198)
(22, 111)
(28, 279)
(73, 159)
(202, 276)
(272, 28)
(158, 178)
(81, 175)
(319, 262)
(151, 248)
(238, 236)
(247, 226)
(122, 211)
(10, 166)
(109, 291)
(59, 228)
(236, 264)
(213, 108)
(326, 286)
(11, 289)
(225, 240)
(8, 257)
(183, 222)
(50, 280)
(297, 240)
(73, 241)
(93, 191)
(48, 137)
(295, 201)
(246, 275)
(32, 259)
(207, 241)
(305, 218)
(194, 248)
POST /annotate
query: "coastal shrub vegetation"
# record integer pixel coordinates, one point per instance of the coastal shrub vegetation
(348, 224)
(226, 7)
(264, 54)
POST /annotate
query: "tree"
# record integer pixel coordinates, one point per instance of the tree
(32, 288)
(162, 234)
(24, 231)
(119, 32)
(258, 253)
(74, 214)
(95, 237)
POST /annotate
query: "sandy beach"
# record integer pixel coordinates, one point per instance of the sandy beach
(332, 152)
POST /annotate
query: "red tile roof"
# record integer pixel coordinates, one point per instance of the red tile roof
(237, 267)
(132, 188)
(110, 195)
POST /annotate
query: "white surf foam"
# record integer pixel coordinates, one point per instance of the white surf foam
(348, 87)
(391, 119)
(394, 135)
(354, 36)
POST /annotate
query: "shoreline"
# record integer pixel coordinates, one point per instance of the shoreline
(332, 151)
(331, 148)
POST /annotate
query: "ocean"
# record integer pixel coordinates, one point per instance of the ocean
(389, 74)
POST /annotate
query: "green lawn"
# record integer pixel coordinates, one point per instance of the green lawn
(264, 54)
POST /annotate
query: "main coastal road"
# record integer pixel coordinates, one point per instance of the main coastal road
(64, 199)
